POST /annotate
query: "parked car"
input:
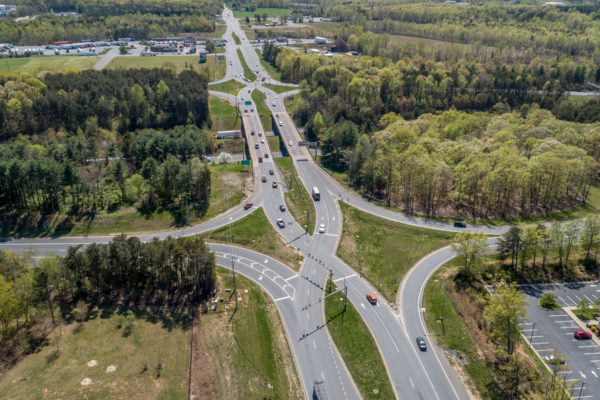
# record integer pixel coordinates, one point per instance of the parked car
(274, 184)
(247, 205)
(281, 208)
(263, 178)
(371, 298)
(421, 343)
(580, 334)
(553, 359)
(280, 223)
(459, 224)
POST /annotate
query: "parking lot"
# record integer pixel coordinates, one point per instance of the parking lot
(552, 331)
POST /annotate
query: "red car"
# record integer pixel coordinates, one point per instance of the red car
(582, 335)
(274, 184)
(372, 299)
(259, 159)
(247, 205)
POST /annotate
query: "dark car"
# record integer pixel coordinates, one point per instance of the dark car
(256, 145)
(459, 224)
(281, 208)
(247, 205)
(252, 133)
(421, 343)
(266, 155)
(271, 172)
(263, 178)
(259, 159)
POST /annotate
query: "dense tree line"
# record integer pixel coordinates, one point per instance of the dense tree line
(177, 273)
(95, 140)
(51, 28)
(458, 164)
(556, 29)
(124, 100)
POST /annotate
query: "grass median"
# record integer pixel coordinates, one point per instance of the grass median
(223, 115)
(256, 232)
(297, 198)
(279, 88)
(248, 357)
(231, 86)
(382, 250)
(271, 70)
(236, 39)
(263, 112)
(247, 71)
(358, 349)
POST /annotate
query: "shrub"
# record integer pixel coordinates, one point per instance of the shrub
(548, 301)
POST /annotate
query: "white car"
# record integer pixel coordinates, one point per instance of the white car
(322, 228)
(273, 104)
(280, 123)
(290, 143)
(262, 140)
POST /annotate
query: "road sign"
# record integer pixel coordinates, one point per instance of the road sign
(309, 144)
(245, 162)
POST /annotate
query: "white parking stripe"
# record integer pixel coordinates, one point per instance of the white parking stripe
(557, 315)
(589, 354)
(563, 322)
(585, 347)
(540, 343)
(572, 301)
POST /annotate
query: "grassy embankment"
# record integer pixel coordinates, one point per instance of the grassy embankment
(223, 115)
(358, 348)
(256, 232)
(263, 112)
(297, 198)
(382, 250)
(272, 71)
(279, 88)
(250, 357)
(226, 191)
(236, 39)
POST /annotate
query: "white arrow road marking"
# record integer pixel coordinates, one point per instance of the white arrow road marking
(363, 306)
(593, 373)
(581, 373)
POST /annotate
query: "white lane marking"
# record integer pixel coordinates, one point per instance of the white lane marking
(594, 373)
(291, 277)
(539, 343)
(314, 270)
(314, 345)
(308, 316)
(260, 277)
(590, 354)
(581, 373)
(411, 382)
(307, 291)
(585, 347)
(323, 375)
(282, 298)
(344, 277)
(363, 306)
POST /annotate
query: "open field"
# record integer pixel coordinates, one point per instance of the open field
(223, 115)
(271, 12)
(263, 112)
(274, 143)
(35, 65)
(50, 375)
(231, 86)
(264, 239)
(358, 349)
(231, 146)
(126, 221)
(247, 71)
(372, 245)
(252, 352)
(297, 199)
(178, 63)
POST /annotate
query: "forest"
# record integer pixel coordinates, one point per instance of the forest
(107, 19)
(93, 140)
(519, 163)
(171, 275)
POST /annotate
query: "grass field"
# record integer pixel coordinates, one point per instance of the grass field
(178, 63)
(279, 88)
(263, 112)
(43, 375)
(247, 71)
(456, 336)
(264, 239)
(231, 86)
(223, 115)
(127, 221)
(297, 198)
(252, 353)
(358, 349)
(274, 143)
(383, 250)
(271, 12)
(273, 73)
(35, 65)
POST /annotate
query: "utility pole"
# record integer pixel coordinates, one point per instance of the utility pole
(345, 296)
(442, 317)
(234, 286)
